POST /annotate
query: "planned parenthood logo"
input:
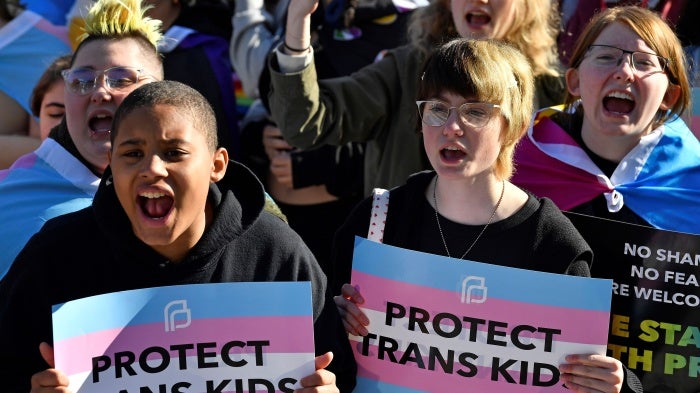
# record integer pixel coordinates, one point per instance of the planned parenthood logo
(177, 315)
(473, 290)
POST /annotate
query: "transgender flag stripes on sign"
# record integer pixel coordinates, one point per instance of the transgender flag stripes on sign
(228, 337)
(439, 324)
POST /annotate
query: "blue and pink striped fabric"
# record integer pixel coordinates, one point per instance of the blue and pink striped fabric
(509, 300)
(28, 45)
(207, 332)
(39, 186)
(659, 179)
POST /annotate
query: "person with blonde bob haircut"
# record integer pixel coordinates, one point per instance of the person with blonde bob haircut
(620, 149)
(375, 104)
(475, 102)
(494, 76)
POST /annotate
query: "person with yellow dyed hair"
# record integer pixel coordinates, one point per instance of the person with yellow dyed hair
(116, 54)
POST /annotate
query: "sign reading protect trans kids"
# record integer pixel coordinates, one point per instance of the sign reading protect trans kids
(440, 324)
(227, 337)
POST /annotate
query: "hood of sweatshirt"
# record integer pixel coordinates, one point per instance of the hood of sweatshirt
(238, 200)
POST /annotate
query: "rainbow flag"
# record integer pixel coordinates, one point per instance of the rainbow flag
(226, 337)
(439, 324)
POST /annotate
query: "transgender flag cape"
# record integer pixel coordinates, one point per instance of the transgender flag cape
(659, 179)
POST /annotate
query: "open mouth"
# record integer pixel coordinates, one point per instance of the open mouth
(619, 102)
(478, 19)
(100, 124)
(452, 154)
(155, 205)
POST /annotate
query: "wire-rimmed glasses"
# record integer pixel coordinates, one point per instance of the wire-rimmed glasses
(609, 56)
(475, 114)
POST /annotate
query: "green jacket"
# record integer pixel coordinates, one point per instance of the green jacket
(375, 105)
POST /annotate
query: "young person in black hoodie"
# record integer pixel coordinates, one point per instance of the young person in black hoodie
(170, 209)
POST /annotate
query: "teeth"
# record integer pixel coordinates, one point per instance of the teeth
(452, 148)
(101, 116)
(152, 195)
(621, 95)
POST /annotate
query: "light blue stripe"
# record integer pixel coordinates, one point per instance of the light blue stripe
(365, 385)
(143, 306)
(505, 283)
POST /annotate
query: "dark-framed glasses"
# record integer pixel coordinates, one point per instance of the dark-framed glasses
(611, 56)
(475, 114)
(83, 81)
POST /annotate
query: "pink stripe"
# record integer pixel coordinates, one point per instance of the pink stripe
(576, 327)
(695, 123)
(26, 161)
(285, 334)
(546, 176)
(411, 376)
(549, 132)
(60, 32)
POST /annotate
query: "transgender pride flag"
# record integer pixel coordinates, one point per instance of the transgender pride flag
(439, 324)
(226, 337)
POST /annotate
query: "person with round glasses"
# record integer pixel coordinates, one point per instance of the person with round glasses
(436, 113)
(476, 103)
(620, 149)
(376, 104)
(83, 81)
(116, 55)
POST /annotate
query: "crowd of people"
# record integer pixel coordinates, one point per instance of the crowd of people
(485, 120)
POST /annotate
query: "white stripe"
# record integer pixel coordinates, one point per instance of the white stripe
(68, 166)
(18, 27)
(410, 4)
(173, 37)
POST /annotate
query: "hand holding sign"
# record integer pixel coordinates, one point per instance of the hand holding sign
(354, 320)
(322, 381)
(597, 372)
(427, 333)
(49, 380)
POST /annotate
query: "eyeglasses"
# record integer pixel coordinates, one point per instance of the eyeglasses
(475, 114)
(642, 62)
(83, 81)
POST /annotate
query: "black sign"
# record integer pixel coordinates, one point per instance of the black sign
(655, 311)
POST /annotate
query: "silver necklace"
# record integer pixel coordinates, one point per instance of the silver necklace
(437, 219)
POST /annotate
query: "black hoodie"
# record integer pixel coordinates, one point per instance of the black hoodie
(94, 251)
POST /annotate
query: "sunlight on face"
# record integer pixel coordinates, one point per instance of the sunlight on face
(89, 117)
(162, 169)
(490, 19)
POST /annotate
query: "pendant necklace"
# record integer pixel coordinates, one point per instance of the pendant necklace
(437, 219)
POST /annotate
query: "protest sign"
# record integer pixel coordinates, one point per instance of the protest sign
(225, 337)
(439, 324)
(655, 318)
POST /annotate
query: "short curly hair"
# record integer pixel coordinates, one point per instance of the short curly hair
(186, 99)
